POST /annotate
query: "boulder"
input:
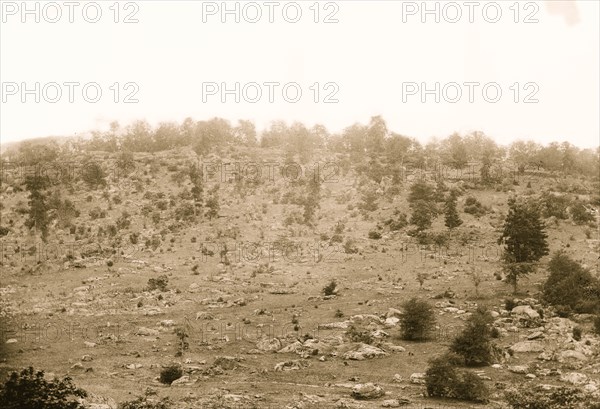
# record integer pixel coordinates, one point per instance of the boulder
(367, 391)
(364, 351)
(525, 311)
(527, 346)
(571, 355)
(520, 369)
(574, 378)
(417, 378)
(268, 344)
(294, 364)
(146, 331)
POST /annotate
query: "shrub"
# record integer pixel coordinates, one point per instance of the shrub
(159, 283)
(553, 205)
(580, 214)
(374, 235)
(143, 403)
(350, 247)
(330, 289)
(473, 344)
(570, 285)
(597, 324)
(509, 304)
(444, 380)
(29, 390)
(417, 321)
(170, 373)
(359, 335)
(577, 331)
(474, 207)
(535, 398)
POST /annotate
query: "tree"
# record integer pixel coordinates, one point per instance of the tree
(421, 190)
(29, 390)
(311, 201)
(473, 344)
(452, 219)
(245, 133)
(524, 239)
(38, 208)
(212, 204)
(376, 134)
(418, 320)
(422, 215)
(196, 175)
(454, 151)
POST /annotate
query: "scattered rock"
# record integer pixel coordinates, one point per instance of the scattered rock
(525, 311)
(367, 391)
(143, 331)
(574, 378)
(364, 351)
(417, 378)
(527, 346)
(291, 365)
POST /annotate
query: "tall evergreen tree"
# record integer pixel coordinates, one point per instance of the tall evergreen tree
(524, 238)
(38, 207)
(452, 219)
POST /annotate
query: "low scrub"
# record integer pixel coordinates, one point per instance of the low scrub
(444, 380)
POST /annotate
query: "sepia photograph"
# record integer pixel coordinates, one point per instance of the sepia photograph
(303, 204)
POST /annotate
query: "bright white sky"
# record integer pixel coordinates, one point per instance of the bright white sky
(369, 54)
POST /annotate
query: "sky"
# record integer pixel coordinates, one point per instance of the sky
(339, 63)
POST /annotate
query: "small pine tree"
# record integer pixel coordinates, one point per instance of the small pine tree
(422, 215)
(38, 207)
(418, 320)
(452, 219)
(474, 343)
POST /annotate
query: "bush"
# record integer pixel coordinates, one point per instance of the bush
(580, 214)
(474, 343)
(159, 283)
(330, 289)
(143, 403)
(536, 398)
(350, 247)
(29, 390)
(444, 380)
(577, 331)
(474, 207)
(509, 304)
(571, 286)
(554, 206)
(417, 321)
(597, 324)
(170, 373)
(374, 235)
(359, 335)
